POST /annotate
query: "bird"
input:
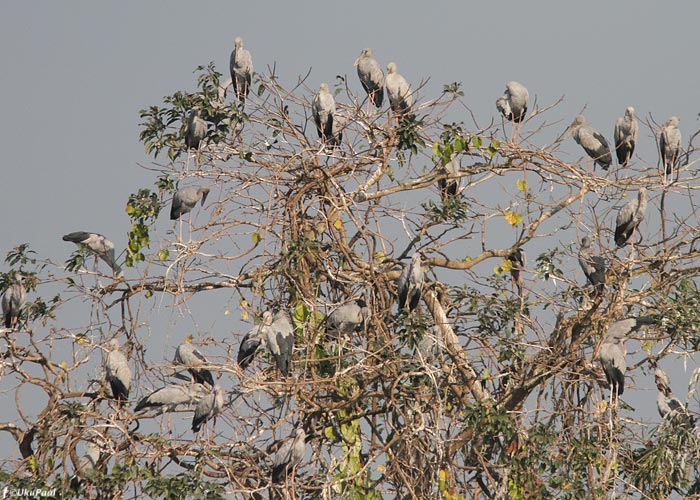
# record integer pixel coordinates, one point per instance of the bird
(98, 245)
(253, 340)
(117, 372)
(195, 129)
(449, 187)
(430, 346)
(208, 407)
(592, 142)
(289, 455)
(185, 200)
(626, 131)
(410, 284)
(513, 103)
(670, 144)
(186, 354)
(630, 215)
(518, 260)
(668, 404)
(13, 301)
(323, 110)
(347, 318)
(241, 66)
(398, 90)
(88, 461)
(593, 265)
(612, 351)
(280, 341)
(371, 77)
(168, 398)
(339, 123)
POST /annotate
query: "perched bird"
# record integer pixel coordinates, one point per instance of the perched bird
(339, 124)
(208, 407)
(629, 217)
(449, 187)
(626, 131)
(117, 372)
(612, 351)
(253, 340)
(592, 142)
(431, 345)
(518, 260)
(371, 77)
(98, 245)
(289, 455)
(168, 398)
(513, 103)
(88, 461)
(13, 301)
(348, 318)
(187, 355)
(195, 129)
(280, 341)
(410, 284)
(241, 67)
(323, 110)
(668, 404)
(398, 90)
(185, 200)
(670, 144)
(593, 265)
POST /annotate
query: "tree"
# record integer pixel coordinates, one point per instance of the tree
(504, 399)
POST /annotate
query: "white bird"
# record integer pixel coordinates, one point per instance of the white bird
(289, 455)
(13, 300)
(513, 103)
(98, 245)
(280, 341)
(670, 144)
(410, 284)
(188, 355)
(117, 372)
(593, 266)
(348, 318)
(241, 67)
(592, 142)
(185, 199)
(208, 407)
(323, 110)
(168, 398)
(398, 90)
(253, 340)
(629, 217)
(195, 129)
(626, 131)
(371, 77)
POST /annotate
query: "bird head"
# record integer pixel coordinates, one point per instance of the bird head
(578, 122)
(391, 68)
(365, 53)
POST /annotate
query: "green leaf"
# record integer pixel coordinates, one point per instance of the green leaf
(521, 184)
(256, 237)
(476, 141)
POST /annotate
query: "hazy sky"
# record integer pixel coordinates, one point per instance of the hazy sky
(75, 74)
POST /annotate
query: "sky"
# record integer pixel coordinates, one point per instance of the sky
(75, 75)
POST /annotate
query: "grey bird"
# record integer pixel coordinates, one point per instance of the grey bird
(323, 111)
(371, 77)
(254, 340)
(398, 90)
(98, 245)
(410, 284)
(449, 187)
(591, 141)
(612, 351)
(289, 455)
(88, 461)
(513, 103)
(593, 265)
(629, 217)
(431, 345)
(626, 131)
(13, 300)
(195, 129)
(518, 260)
(185, 199)
(348, 318)
(168, 398)
(668, 404)
(241, 66)
(670, 144)
(208, 407)
(280, 341)
(117, 372)
(187, 355)
(339, 124)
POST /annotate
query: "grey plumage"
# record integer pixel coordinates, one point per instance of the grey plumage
(88, 461)
(629, 217)
(117, 372)
(253, 340)
(323, 111)
(518, 260)
(371, 77)
(513, 103)
(670, 406)
(626, 131)
(289, 455)
(339, 124)
(410, 284)
(670, 144)
(593, 266)
(348, 318)
(449, 187)
(98, 245)
(186, 354)
(168, 398)
(241, 67)
(208, 407)
(195, 129)
(185, 199)
(398, 90)
(431, 345)
(13, 300)
(280, 341)
(591, 141)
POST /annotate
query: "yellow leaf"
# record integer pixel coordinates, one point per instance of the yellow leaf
(227, 312)
(497, 270)
(244, 315)
(381, 468)
(646, 345)
(379, 256)
(444, 475)
(506, 265)
(64, 365)
(256, 237)
(243, 303)
(521, 184)
(514, 218)
(338, 224)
